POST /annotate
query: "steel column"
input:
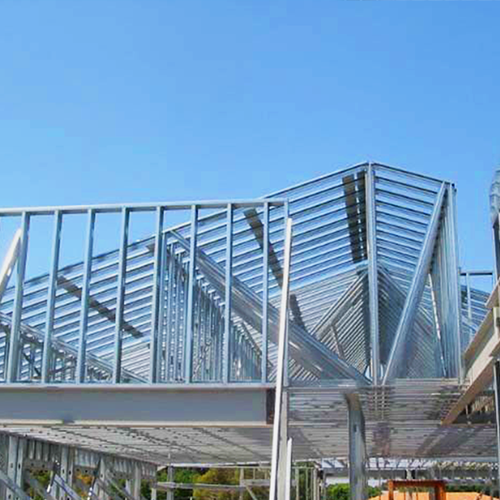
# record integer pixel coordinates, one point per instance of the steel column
(84, 316)
(188, 351)
(120, 296)
(357, 449)
(265, 294)
(51, 298)
(170, 478)
(226, 358)
(156, 346)
(454, 279)
(371, 229)
(278, 426)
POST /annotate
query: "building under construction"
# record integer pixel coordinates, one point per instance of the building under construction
(328, 324)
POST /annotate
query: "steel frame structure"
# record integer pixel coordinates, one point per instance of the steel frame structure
(125, 350)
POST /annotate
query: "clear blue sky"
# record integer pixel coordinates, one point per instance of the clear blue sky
(110, 101)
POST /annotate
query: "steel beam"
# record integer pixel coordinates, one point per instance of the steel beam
(395, 361)
(125, 404)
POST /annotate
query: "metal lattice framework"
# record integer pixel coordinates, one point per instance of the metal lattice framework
(377, 306)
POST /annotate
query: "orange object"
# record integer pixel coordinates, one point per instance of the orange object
(439, 486)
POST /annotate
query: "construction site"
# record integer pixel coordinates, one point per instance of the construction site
(326, 331)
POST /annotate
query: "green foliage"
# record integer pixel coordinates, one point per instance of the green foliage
(341, 491)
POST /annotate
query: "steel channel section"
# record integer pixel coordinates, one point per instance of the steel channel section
(394, 363)
(371, 223)
(156, 345)
(172, 274)
(282, 340)
(454, 281)
(51, 297)
(120, 295)
(84, 311)
(265, 295)
(226, 358)
(188, 348)
(15, 332)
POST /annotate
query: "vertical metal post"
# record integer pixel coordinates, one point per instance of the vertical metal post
(283, 450)
(371, 227)
(84, 310)
(12, 463)
(136, 489)
(188, 372)
(357, 449)
(265, 294)
(455, 291)
(170, 478)
(242, 481)
(66, 470)
(496, 384)
(15, 332)
(155, 305)
(172, 272)
(51, 298)
(226, 375)
(288, 475)
(277, 426)
(120, 295)
(297, 483)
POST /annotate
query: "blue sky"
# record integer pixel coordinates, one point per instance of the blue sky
(111, 101)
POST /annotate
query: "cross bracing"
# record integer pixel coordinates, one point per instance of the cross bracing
(377, 306)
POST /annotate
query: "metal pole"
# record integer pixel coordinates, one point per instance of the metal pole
(371, 224)
(281, 361)
(84, 308)
(265, 294)
(51, 298)
(15, 332)
(288, 475)
(120, 295)
(357, 448)
(170, 477)
(226, 372)
(190, 300)
(155, 305)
